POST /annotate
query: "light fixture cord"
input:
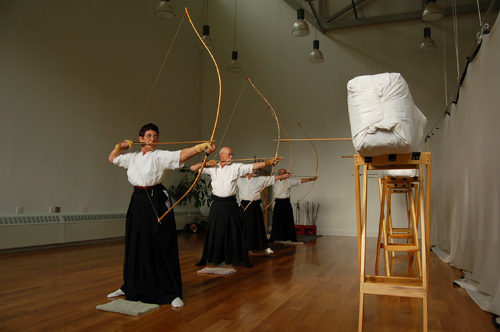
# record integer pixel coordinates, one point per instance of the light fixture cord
(316, 30)
(445, 73)
(206, 11)
(455, 30)
(479, 13)
(234, 30)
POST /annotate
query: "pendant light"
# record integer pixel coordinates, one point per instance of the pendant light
(164, 10)
(315, 56)
(432, 12)
(206, 31)
(300, 27)
(427, 45)
(234, 65)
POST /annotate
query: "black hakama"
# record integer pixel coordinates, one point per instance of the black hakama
(253, 226)
(283, 223)
(224, 241)
(151, 271)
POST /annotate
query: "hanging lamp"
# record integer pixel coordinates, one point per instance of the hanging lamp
(206, 31)
(234, 65)
(206, 37)
(315, 56)
(432, 11)
(164, 10)
(427, 44)
(300, 27)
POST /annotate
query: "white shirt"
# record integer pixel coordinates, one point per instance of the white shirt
(282, 188)
(249, 189)
(224, 178)
(149, 169)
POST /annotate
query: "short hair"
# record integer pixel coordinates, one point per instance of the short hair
(148, 126)
(224, 148)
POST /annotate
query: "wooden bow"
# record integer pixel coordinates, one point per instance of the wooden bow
(216, 117)
(317, 161)
(278, 128)
(289, 169)
(148, 98)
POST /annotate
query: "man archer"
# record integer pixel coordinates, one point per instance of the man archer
(225, 241)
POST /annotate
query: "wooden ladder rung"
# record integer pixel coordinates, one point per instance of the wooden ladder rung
(400, 257)
(401, 235)
(393, 286)
(396, 229)
(401, 247)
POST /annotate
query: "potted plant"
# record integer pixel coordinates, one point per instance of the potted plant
(311, 211)
(201, 194)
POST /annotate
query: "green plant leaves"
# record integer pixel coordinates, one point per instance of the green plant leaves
(201, 194)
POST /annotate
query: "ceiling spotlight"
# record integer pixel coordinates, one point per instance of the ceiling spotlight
(300, 27)
(234, 65)
(315, 56)
(164, 10)
(206, 38)
(432, 11)
(427, 45)
(206, 32)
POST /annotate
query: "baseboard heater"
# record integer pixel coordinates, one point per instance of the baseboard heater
(69, 218)
(51, 219)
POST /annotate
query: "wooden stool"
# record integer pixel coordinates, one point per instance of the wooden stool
(389, 185)
(416, 287)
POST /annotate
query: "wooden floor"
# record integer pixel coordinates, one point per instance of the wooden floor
(313, 287)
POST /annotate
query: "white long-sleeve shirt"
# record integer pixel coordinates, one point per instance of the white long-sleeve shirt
(282, 188)
(224, 178)
(248, 189)
(148, 169)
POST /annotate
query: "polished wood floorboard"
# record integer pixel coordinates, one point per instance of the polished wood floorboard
(313, 287)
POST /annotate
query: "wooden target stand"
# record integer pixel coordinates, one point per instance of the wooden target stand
(388, 235)
(414, 287)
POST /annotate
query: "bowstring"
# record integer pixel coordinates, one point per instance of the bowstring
(231, 116)
(275, 116)
(146, 104)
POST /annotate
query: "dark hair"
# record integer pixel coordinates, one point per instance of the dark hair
(149, 126)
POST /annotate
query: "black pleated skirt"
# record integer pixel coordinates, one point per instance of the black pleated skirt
(283, 223)
(224, 241)
(151, 272)
(253, 226)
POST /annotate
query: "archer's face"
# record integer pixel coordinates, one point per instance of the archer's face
(226, 154)
(149, 140)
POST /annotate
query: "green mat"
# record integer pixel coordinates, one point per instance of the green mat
(131, 308)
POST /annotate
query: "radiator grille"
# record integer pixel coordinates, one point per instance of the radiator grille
(69, 218)
(23, 220)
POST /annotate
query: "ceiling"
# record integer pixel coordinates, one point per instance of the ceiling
(327, 15)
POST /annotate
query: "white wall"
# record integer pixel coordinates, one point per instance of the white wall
(315, 94)
(74, 77)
